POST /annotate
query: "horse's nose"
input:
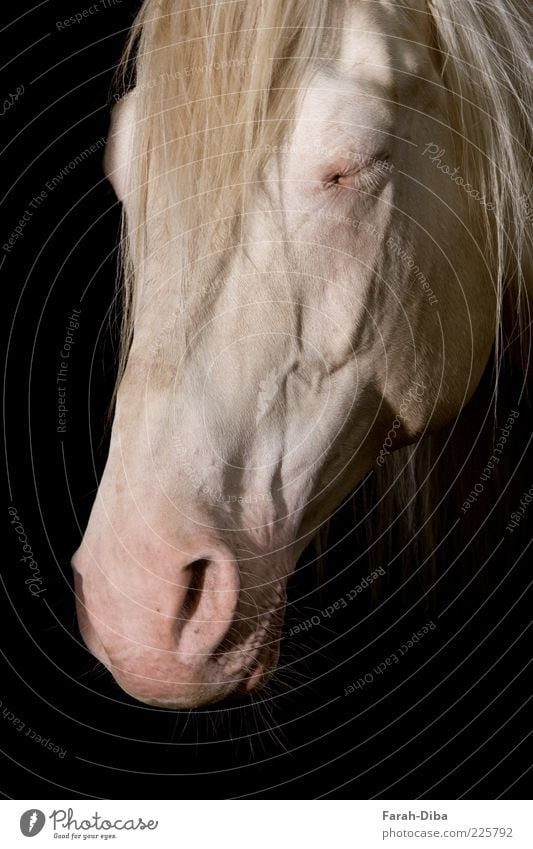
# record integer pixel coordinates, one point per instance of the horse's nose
(157, 628)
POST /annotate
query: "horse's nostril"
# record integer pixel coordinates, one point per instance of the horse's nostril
(205, 610)
(197, 571)
(157, 634)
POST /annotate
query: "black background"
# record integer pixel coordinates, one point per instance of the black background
(452, 719)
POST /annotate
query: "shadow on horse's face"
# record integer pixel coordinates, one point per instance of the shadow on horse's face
(352, 318)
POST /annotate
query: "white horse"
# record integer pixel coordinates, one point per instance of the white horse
(327, 210)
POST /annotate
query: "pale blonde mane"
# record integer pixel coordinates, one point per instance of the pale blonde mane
(216, 86)
(485, 54)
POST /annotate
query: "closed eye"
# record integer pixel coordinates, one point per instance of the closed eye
(365, 175)
(347, 180)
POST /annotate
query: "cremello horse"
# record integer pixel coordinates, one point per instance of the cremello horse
(326, 213)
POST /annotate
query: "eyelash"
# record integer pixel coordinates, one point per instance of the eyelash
(367, 176)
